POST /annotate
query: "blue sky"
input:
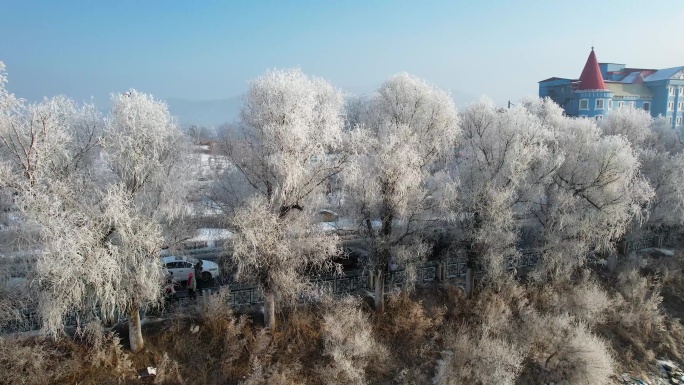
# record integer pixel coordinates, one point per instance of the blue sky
(210, 49)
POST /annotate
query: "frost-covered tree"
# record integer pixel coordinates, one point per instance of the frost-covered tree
(97, 192)
(42, 145)
(97, 259)
(665, 173)
(145, 151)
(147, 156)
(592, 198)
(659, 152)
(500, 154)
(291, 127)
(631, 123)
(395, 183)
(662, 164)
(277, 251)
(283, 154)
(51, 139)
(355, 111)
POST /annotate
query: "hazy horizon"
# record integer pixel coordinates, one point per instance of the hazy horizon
(209, 51)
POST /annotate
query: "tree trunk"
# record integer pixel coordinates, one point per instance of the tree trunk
(469, 281)
(134, 330)
(474, 253)
(269, 311)
(380, 291)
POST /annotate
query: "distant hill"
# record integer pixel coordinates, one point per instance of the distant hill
(216, 112)
(462, 99)
(205, 112)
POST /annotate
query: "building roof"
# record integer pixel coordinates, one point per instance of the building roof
(555, 78)
(630, 69)
(629, 90)
(591, 78)
(663, 74)
(630, 78)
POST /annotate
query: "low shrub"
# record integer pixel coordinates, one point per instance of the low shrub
(106, 350)
(168, 372)
(565, 349)
(349, 343)
(637, 305)
(582, 298)
(478, 358)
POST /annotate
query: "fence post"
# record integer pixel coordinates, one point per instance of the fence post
(440, 272)
(371, 280)
(469, 278)
(205, 296)
(612, 261)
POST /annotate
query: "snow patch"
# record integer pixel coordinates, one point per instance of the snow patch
(669, 253)
(209, 234)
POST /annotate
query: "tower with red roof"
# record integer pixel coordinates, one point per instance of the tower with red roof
(591, 78)
(591, 95)
(603, 87)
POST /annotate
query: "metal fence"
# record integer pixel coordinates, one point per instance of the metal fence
(245, 297)
(450, 269)
(29, 319)
(349, 283)
(651, 240)
(641, 243)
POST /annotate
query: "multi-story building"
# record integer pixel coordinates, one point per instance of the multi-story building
(603, 87)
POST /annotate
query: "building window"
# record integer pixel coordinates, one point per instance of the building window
(647, 106)
(679, 120)
(584, 104)
(672, 91)
(670, 106)
(681, 89)
(599, 117)
(632, 104)
(599, 104)
(620, 104)
(679, 106)
(669, 120)
(610, 104)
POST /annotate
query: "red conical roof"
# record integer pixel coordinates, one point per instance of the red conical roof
(591, 78)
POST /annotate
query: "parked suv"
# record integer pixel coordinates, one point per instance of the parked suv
(182, 266)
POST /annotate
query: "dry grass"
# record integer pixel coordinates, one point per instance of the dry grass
(97, 359)
(637, 325)
(214, 355)
(407, 325)
(38, 361)
(580, 330)
(409, 328)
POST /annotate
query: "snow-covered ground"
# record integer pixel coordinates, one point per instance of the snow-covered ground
(208, 164)
(345, 224)
(207, 239)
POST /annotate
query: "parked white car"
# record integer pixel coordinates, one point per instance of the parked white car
(182, 266)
